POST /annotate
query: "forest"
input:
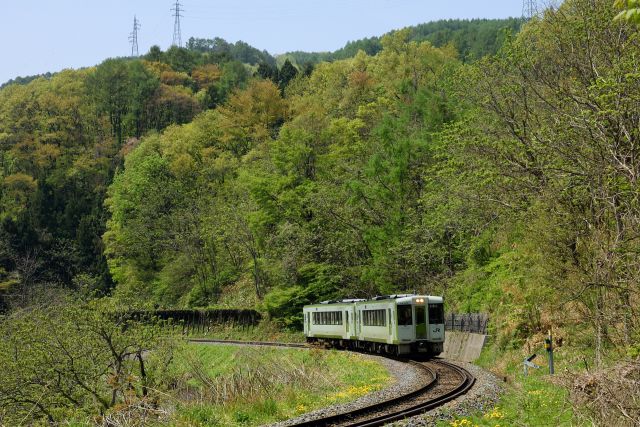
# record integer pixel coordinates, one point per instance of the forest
(493, 162)
(472, 39)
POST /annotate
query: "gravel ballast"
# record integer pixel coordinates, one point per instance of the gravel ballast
(481, 398)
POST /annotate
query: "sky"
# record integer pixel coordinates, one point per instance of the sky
(50, 35)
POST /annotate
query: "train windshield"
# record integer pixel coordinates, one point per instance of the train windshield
(404, 315)
(436, 314)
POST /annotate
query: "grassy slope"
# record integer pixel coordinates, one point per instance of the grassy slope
(228, 386)
(535, 400)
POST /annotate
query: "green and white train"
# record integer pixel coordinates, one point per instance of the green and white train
(392, 324)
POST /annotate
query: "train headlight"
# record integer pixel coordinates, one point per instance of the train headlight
(420, 300)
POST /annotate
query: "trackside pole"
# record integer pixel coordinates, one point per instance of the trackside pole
(548, 345)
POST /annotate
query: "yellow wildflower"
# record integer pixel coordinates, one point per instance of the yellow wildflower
(495, 413)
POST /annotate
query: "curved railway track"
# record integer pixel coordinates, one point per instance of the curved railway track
(447, 382)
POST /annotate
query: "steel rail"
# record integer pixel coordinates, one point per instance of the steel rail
(462, 388)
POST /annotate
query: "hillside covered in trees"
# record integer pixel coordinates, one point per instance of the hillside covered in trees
(472, 39)
(209, 176)
(64, 135)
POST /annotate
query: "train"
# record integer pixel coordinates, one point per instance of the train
(390, 324)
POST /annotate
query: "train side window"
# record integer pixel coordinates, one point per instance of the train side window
(374, 318)
(436, 314)
(404, 315)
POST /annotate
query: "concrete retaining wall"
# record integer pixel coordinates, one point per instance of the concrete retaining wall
(463, 346)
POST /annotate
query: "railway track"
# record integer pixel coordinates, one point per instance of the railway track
(446, 382)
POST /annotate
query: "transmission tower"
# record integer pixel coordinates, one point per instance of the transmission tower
(177, 33)
(529, 9)
(133, 38)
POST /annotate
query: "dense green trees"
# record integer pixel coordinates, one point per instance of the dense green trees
(61, 140)
(309, 198)
(54, 168)
(239, 51)
(556, 142)
(473, 39)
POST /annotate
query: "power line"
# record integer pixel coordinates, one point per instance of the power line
(133, 37)
(177, 32)
(529, 9)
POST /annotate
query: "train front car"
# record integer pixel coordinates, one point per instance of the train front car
(420, 324)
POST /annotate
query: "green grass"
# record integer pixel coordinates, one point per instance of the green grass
(248, 386)
(533, 400)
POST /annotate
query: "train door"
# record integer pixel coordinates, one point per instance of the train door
(354, 332)
(346, 323)
(421, 322)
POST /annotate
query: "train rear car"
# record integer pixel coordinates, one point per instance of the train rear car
(330, 321)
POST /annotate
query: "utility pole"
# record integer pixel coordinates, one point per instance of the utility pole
(177, 32)
(133, 38)
(529, 9)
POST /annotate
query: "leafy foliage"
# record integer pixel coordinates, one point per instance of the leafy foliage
(72, 359)
(630, 10)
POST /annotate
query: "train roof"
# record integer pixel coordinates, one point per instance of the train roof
(407, 298)
(404, 298)
(342, 301)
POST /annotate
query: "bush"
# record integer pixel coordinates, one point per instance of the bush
(69, 358)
